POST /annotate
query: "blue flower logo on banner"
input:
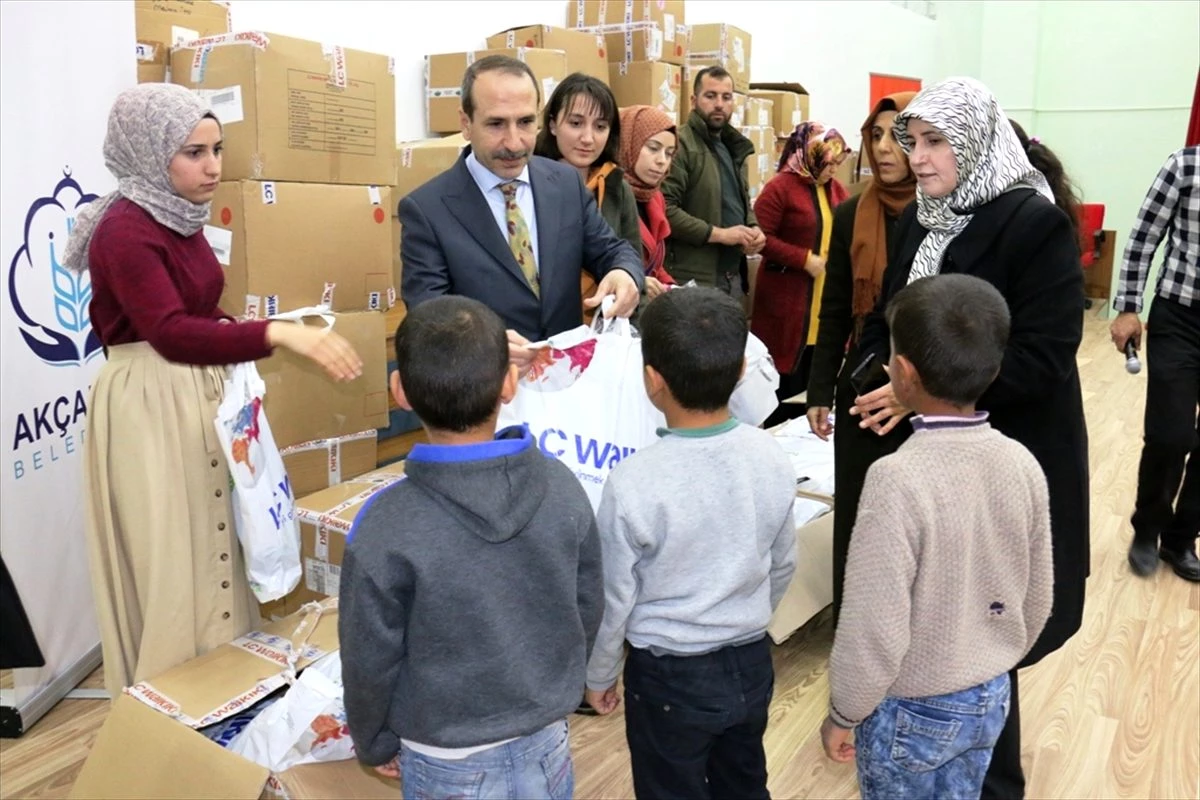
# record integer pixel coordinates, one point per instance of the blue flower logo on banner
(51, 301)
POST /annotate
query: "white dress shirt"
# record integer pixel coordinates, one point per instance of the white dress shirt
(489, 184)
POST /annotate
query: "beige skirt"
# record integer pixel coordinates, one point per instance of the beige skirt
(167, 571)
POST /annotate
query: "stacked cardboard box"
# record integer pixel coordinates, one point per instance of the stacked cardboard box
(444, 74)
(161, 24)
(760, 168)
(790, 103)
(738, 118)
(635, 31)
(586, 52)
(728, 46)
(650, 83)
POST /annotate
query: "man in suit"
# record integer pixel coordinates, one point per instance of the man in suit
(510, 229)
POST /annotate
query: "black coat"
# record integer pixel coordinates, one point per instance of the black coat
(1025, 246)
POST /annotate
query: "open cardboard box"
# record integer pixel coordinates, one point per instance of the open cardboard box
(149, 746)
(811, 588)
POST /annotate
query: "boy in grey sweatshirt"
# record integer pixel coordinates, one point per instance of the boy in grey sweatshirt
(950, 577)
(699, 546)
(471, 590)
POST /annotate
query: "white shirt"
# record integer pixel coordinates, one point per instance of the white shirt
(489, 184)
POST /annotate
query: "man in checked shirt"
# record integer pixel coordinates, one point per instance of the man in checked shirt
(1166, 516)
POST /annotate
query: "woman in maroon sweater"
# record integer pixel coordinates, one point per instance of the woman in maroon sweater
(166, 570)
(795, 212)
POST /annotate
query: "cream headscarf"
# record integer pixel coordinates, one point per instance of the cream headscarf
(146, 127)
(990, 162)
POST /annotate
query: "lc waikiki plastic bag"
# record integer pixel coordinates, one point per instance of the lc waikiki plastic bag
(584, 400)
(264, 510)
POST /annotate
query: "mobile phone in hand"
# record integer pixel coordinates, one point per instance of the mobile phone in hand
(869, 375)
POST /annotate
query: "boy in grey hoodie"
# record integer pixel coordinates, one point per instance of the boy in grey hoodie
(471, 590)
(699, 547)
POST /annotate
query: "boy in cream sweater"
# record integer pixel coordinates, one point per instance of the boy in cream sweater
(949, 579)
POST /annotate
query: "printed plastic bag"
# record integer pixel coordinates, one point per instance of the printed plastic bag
(263, 506)
(305, 726)
(584, 401)
(754, 396)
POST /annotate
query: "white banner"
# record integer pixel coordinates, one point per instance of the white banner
(63, 64)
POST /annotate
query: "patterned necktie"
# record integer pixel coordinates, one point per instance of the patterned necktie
(518, 236)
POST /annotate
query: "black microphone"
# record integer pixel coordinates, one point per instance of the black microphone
(1132, 365)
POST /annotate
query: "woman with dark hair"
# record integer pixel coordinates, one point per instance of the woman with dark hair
(1046, 162)
(983, 209)
(863, 229)
(795, 212)
(582, 127)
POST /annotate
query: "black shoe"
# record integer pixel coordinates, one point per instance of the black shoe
(1184, 562)
(1143, 556)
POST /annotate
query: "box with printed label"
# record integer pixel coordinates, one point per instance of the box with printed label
(644, 41)
(738, 118)
(759, 170)
(294, 245)
(650, 83)
(444, 74)
(728, 46)
(304, 405)
(295, 110)
(170, 22)
(791, 104)
(763, 139)
(420, 161)
(320, 463)
(586, 52)
(154, 744)
(759, 112)
(151, 62)
(586, 13)
(325, 519)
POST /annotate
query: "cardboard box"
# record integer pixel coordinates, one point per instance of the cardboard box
(738, 118)
(763, 139)
(789, 109)
(586, 52)
(397, 263)
(295, 110)
(791, 103)
(151, 62)
(727, 45)
(303, 405)
(811, 588)
(325, 519)
(759, 112)
(315, 465)
(423, 160)
(650, 83)
(444, 74)
(149, 745)
(643, 41)
(759, 169)
(845, 171)
(666, 13)
(170, 22)
(293, 245)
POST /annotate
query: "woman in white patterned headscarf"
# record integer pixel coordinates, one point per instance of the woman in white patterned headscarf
(982, 209)
(167, 576)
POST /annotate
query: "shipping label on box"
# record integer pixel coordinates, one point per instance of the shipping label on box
(151, 62)
(294, 245)
(738, 118)
(648, 83)
(727, 45)
(586, 52)
(643, 41)
(295, 110)
(304, 405)
(170, 22)
(423, 160)
(444, 74)
(669, 14)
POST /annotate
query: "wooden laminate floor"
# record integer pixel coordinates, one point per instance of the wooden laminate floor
(1114, 714)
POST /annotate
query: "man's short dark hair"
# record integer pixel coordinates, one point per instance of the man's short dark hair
(452, 353)
(716, 73)
(505, 64)
(953, 328)
(696, 339)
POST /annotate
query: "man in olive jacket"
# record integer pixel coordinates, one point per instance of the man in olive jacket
(713, 227)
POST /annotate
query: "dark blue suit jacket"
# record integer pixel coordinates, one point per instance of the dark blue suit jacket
(450, 244)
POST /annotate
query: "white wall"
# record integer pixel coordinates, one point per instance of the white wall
(829, 47)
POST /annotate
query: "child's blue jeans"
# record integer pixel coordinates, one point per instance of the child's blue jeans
(931, 747)
(532, 767)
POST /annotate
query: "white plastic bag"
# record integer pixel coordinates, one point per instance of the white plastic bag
(305, 726)
(584, 401)
(263, 506)
(754, 396)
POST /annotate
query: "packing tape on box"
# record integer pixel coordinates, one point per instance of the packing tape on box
(432, 93)
(391, 296)
(255, 38)
(298, 315)
(629, 11)
(335, 54)
(510, 39)
(330, 519)
(147, 51)
(333, 447)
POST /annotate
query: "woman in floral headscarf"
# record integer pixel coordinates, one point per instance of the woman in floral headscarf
(795, 211)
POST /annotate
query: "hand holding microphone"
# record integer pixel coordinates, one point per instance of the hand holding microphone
(1126, 333)
(1132, 365)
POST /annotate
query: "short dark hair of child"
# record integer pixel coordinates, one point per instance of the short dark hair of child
(696, 339)
(953, 328)
(452, 354)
